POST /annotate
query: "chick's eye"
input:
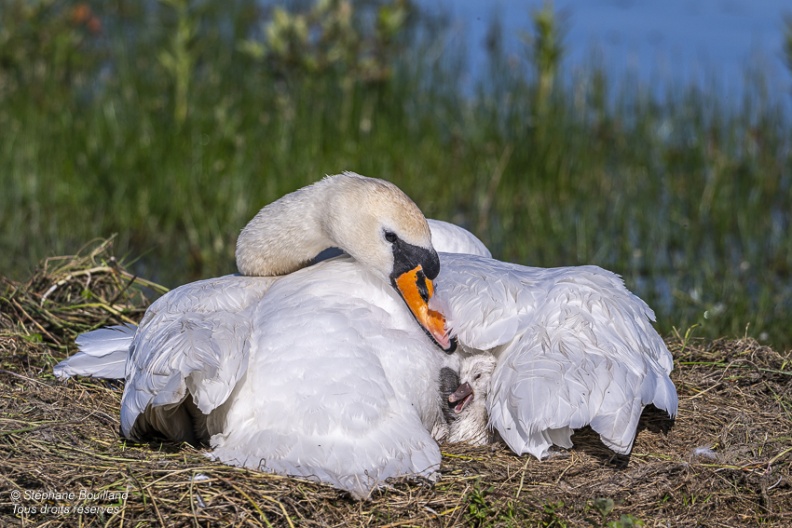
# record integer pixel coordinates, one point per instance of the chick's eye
(477, 376)
(391, 237)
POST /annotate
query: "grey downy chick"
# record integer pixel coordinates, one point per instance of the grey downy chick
(466, 409)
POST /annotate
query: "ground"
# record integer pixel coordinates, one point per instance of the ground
(726, 460)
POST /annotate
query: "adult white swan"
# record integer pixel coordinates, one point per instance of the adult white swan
(321, 373)
(574, 347)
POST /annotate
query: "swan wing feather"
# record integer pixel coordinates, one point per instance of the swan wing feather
(590, 358)
(194, 340)
(450, 238)
(574, 348)
(480, 297)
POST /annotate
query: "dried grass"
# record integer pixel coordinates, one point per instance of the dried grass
(725, 461)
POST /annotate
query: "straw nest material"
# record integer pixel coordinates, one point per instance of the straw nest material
(725, 461)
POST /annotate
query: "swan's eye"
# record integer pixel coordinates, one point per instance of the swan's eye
(476, 377)
(391, 237)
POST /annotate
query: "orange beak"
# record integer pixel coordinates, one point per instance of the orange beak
(416, 290)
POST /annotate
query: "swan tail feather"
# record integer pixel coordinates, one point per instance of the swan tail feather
(103, 354)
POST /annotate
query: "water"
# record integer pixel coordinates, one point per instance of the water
(710, 43)
(667, 47)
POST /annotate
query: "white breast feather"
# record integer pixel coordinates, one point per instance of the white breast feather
(341, 387)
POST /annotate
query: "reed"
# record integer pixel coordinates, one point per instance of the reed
(171, 124)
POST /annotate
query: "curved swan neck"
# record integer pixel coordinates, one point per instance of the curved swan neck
(286, 234)
(347, 211)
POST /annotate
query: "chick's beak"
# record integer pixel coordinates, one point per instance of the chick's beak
(416, 290)
(461, 397)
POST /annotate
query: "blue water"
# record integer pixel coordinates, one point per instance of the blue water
(663, 43)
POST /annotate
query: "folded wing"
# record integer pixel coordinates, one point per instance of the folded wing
(190, 351)
(574, 348)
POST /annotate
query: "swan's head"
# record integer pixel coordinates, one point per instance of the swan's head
(475, 376)
(378, 225)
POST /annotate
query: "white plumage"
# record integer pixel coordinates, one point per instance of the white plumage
(109, 350)
(574, 348)
(321, 373)
(467, 414)
(450, 238)
(341, 387)
(324, 373)
(196, 341)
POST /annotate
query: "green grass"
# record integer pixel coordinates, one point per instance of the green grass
(174, 125)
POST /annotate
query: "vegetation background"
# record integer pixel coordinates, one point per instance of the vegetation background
(171, 123)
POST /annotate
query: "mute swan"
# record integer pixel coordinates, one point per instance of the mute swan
(319, 373)
(574, 347)
(467, 404)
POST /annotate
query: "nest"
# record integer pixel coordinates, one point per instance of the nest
(725, 461)
(69, 295)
